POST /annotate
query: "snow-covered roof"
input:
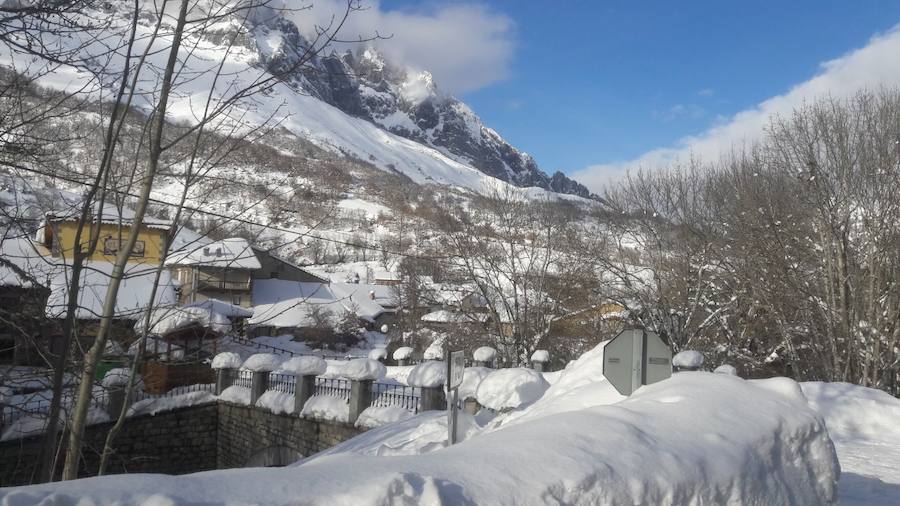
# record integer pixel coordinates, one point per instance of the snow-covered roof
(233, 253)
(447, 316)
(167, 319)
(111, 215)
(383, 295)
(133, 297)
(284, 303)
(386, 276)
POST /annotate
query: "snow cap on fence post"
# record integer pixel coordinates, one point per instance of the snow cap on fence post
(260, 364)
(484, 356)
(430, 376)
(226, 365)
(540, 359)
(114, 382)
(687, 360)
(305, 370)
(402, 355)
(361, 372)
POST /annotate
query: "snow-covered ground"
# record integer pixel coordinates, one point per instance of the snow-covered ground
(696, 438)
(865, 426)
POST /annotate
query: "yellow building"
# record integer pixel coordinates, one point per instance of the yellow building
(58, 236)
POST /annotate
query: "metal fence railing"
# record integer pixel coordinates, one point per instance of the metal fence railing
(40, 406)
(334, 387)
(243, 379)
(388, 394)
(282, 382)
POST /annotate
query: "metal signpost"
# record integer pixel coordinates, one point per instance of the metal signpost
(636, 357)
(456, 366)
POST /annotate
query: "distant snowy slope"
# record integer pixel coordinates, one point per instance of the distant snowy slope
(300, 100)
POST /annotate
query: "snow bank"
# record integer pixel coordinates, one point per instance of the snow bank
(227, 360)
(378, 354)
(726, 369)
(276, 401)
(863, 424)
(510, 388)
(305, 366)
(697, 438)
(363, 369)
(403, 353)
(326, 407)
(153, 406)
(427, 374)
(540, 356)
(236, 394)
(262, 362)
(423, 433)
(472, 377)
(376, 416)
(688, 358)
(855, 412)
(484, 354)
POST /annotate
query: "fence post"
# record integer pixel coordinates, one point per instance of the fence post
(360, 398)
(433, 399)
(304, 388)
(540, 360)
(225, 378)
(116, 396)
(259, 383)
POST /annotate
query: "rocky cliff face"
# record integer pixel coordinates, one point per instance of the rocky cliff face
(405, 102)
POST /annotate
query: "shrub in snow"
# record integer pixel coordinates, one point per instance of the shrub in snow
(262, 362)
(227, 360)
(484, 354)
(376, 416)
(378, 354)
(472, 377)
(726, 369)
(403, 353)
(363, 369)
(505, 389)
(326, 407)
(117, 377)
(427, 374)
(688, 359)
(540, 356)
(435, 350)
(305, 366)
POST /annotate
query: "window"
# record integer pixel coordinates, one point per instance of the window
(236, 300)
(111, 246)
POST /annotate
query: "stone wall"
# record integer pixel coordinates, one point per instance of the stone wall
(174, 442)
(256, 437)
(197, 438)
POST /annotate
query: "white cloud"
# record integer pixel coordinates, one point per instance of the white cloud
(464, 46)
(876, 64)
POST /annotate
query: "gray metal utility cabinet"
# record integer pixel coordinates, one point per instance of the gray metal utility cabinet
(636, 357)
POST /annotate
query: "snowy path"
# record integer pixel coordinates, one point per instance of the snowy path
(870, 472)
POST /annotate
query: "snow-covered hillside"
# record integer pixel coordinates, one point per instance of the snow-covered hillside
(304, 99)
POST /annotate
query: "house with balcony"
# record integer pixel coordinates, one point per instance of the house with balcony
(222, 270)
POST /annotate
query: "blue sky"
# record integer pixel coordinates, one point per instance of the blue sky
(587, 83)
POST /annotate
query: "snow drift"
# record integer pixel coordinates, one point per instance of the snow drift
(697, 438)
